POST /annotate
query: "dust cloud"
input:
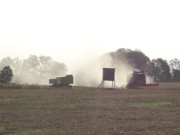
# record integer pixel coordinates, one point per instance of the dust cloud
(34, 70)
(87, 71)
(90, 74)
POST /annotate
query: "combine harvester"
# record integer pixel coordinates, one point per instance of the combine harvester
(62, 81)
(138, 79)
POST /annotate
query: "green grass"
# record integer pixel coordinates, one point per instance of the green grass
(89, 111)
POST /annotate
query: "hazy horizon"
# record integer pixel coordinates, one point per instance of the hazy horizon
(75, 32)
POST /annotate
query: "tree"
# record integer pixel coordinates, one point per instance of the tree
(34, 69)
(175, 69)
(161, 70)
(40, 69)
(174, 64)
(176, 75)
(136, 59)
(6, 75)
(150, 70)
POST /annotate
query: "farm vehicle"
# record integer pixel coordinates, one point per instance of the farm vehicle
(138, 79)
(62, 81)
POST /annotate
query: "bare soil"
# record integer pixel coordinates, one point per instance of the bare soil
(91, 111)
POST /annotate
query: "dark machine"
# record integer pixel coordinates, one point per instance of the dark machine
(62, 81)
(138, 79)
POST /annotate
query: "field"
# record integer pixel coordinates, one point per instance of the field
(90, 111)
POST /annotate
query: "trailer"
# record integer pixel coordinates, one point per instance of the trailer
(138, 79)
(62, 81)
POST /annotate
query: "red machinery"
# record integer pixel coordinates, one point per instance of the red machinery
(138, 79)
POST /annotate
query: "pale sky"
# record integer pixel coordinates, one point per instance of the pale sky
(74, 30)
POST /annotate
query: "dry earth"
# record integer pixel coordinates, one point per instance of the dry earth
(90, 111)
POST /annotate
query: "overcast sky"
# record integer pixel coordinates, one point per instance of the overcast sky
(73, 30)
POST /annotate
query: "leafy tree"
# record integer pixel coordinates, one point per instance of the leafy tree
(34, 69)
(6, 75)
(5, 61)
(40, 69)
(136, 59)
(176, 75)
(158, 69)
(175, 69)
(174, 64)
(31, 64)
(150, 70)
(161, 70)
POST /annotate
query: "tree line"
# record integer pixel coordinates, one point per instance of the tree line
(158, 69)
(32, 70)
(40, 69)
